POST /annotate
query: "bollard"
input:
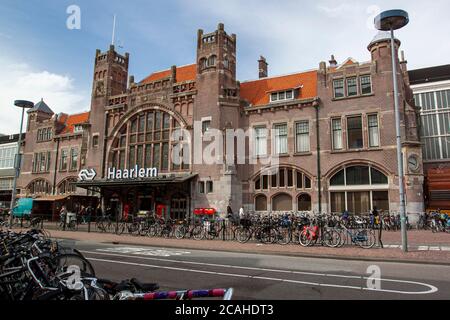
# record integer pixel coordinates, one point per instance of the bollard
(89, 224)
(223, 230)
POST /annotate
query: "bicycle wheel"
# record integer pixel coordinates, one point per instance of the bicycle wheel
(332, 238)
(180, 232)
(365, 239)
(283, 236)
(269, 235)
(305, 238)
(197, 233)
(243, 235)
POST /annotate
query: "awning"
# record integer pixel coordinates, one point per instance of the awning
(51, 198)
(161, 180)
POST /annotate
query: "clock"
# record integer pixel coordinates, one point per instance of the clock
(413, 163)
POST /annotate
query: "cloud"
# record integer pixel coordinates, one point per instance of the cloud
(18, 80)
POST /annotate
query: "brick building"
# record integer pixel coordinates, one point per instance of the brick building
(331, 131)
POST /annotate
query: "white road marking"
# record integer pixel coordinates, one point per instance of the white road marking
(423, 248)
(146, 251)
(445, 248)
(435, 248)
(432, 289)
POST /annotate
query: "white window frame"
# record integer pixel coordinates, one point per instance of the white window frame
(278, 95)
(332, 135)
(296, 136)
(258, 152)
(378, 130)
(276, 137)
(360, 84)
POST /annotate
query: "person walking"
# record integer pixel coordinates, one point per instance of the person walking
(62, 216)
(377, 217)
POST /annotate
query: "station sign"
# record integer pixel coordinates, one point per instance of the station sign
(135, 173)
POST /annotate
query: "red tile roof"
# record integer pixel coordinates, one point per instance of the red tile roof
(75, 119)
(184, 73)
(257, 92)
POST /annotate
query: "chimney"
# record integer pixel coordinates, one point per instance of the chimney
(263, 70)
(333, 62)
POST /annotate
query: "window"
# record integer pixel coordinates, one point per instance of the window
(7, 156)
(338, 86)
(374, 137)
(302, 136)
(304, 202)
(354, 132)
(206, 125)
(283, 178)
(95, 141)
(368, 188)
(282, 202)
(260, 141)
(209, 187)
(78, 128)
(6, 184)
(146, 141)
(201, 187)
(63, 161)
(261, 203)
(366, 85)
(41, 162)
(336, 125)
(67, 186)
(352, 87)
(39, 186)
(281, 143)
(282, 96)
(74, 159)
(435, 124)
(44, 134)
(337, 202)
(211, 61)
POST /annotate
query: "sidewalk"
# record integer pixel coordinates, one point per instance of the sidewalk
(416, 239)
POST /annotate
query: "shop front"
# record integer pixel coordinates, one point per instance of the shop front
(164, 197)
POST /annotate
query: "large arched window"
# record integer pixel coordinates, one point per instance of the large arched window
(145, 141)
(39, 186)
(261, 203)
(67, 186)
(359, 189)
(282, 202)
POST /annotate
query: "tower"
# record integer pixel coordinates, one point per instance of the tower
(217, 103)
(109, 79)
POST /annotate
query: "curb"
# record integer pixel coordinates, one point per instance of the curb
(279, 253)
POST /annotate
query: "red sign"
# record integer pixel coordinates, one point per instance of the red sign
(207, 211)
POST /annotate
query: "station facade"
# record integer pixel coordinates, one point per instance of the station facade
(319, 141)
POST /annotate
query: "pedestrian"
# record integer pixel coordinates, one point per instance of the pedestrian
(377, 217)
(63, 215)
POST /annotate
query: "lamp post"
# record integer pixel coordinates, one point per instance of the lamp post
(389, 21)
(18, 159)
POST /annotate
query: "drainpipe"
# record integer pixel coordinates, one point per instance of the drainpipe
(316, 105)
(56, 166)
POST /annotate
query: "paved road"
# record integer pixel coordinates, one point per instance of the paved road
(255, 276)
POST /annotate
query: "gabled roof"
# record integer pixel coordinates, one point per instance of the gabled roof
(257, 92)
(41, 106)
(73, 120)
(184, 73)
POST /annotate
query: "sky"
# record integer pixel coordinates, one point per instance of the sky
(41, 57)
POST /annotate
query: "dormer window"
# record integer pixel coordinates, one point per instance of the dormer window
(282, 96)
(78, 128)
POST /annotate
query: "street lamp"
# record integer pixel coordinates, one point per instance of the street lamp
(18, 159)
(389, 21)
